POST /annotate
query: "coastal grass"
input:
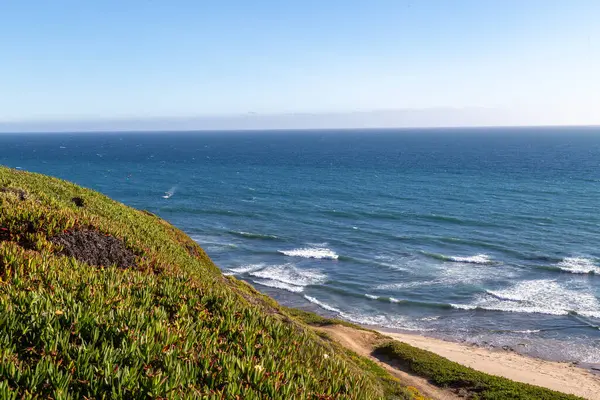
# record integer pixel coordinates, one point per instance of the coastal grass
(465, 381)
(169, 326)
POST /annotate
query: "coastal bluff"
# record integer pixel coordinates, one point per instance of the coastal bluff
(99, 300)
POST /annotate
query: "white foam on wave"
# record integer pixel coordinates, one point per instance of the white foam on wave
(280, 285)
(401, 285)
(476, 259)
(287, 277)
(385, 321)
(211, 243)
(253, 235)
(322, 304)
(428, 319)
(590, 314)
(390, 299)
(476, 271)
(311, 252)
(579, 265)
(395, 263)
(246, 268)
(208, 240)
(170, 193)
(472, 270)
(449, 274)
(218, 247)
(528, 331)
(463, 306)
(543, 296)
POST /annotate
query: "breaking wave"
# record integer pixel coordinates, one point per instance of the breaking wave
(287, 276)
(250, 235)
(384, 299)
(322, 304)
(579, 265)
(386, 321)
(311, 252)
(543, 296)
(245, 268)
(475, 259)
(280, 285)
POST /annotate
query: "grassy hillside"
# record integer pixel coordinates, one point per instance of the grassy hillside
(98, 300)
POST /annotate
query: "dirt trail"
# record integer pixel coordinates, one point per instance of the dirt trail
(361, 342)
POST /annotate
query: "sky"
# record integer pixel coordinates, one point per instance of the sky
(191, 64)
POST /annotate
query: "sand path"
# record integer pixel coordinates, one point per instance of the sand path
(361, 342)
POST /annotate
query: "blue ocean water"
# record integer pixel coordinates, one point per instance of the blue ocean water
(489, 236)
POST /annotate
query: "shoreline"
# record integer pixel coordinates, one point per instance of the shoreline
(593, 368)
(559, 376)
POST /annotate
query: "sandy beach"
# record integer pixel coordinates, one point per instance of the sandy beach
(563, 377)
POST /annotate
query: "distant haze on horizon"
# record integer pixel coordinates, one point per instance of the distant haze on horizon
(435, 118)
(139, 65)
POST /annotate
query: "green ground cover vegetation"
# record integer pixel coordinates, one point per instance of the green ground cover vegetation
(168, 325)
(171, 326)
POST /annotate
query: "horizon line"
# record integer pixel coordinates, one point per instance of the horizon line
(227, 130)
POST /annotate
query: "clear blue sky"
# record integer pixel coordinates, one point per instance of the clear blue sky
(109, 59)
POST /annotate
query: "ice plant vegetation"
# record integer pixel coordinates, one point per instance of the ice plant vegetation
(99, 301)
(163, 323)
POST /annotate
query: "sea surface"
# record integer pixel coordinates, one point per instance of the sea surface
(489, 236)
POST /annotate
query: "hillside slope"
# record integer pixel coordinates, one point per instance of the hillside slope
(98, 300)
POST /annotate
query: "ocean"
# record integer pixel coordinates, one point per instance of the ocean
(486, 236)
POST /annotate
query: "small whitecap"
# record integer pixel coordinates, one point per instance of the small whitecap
(314, 252)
